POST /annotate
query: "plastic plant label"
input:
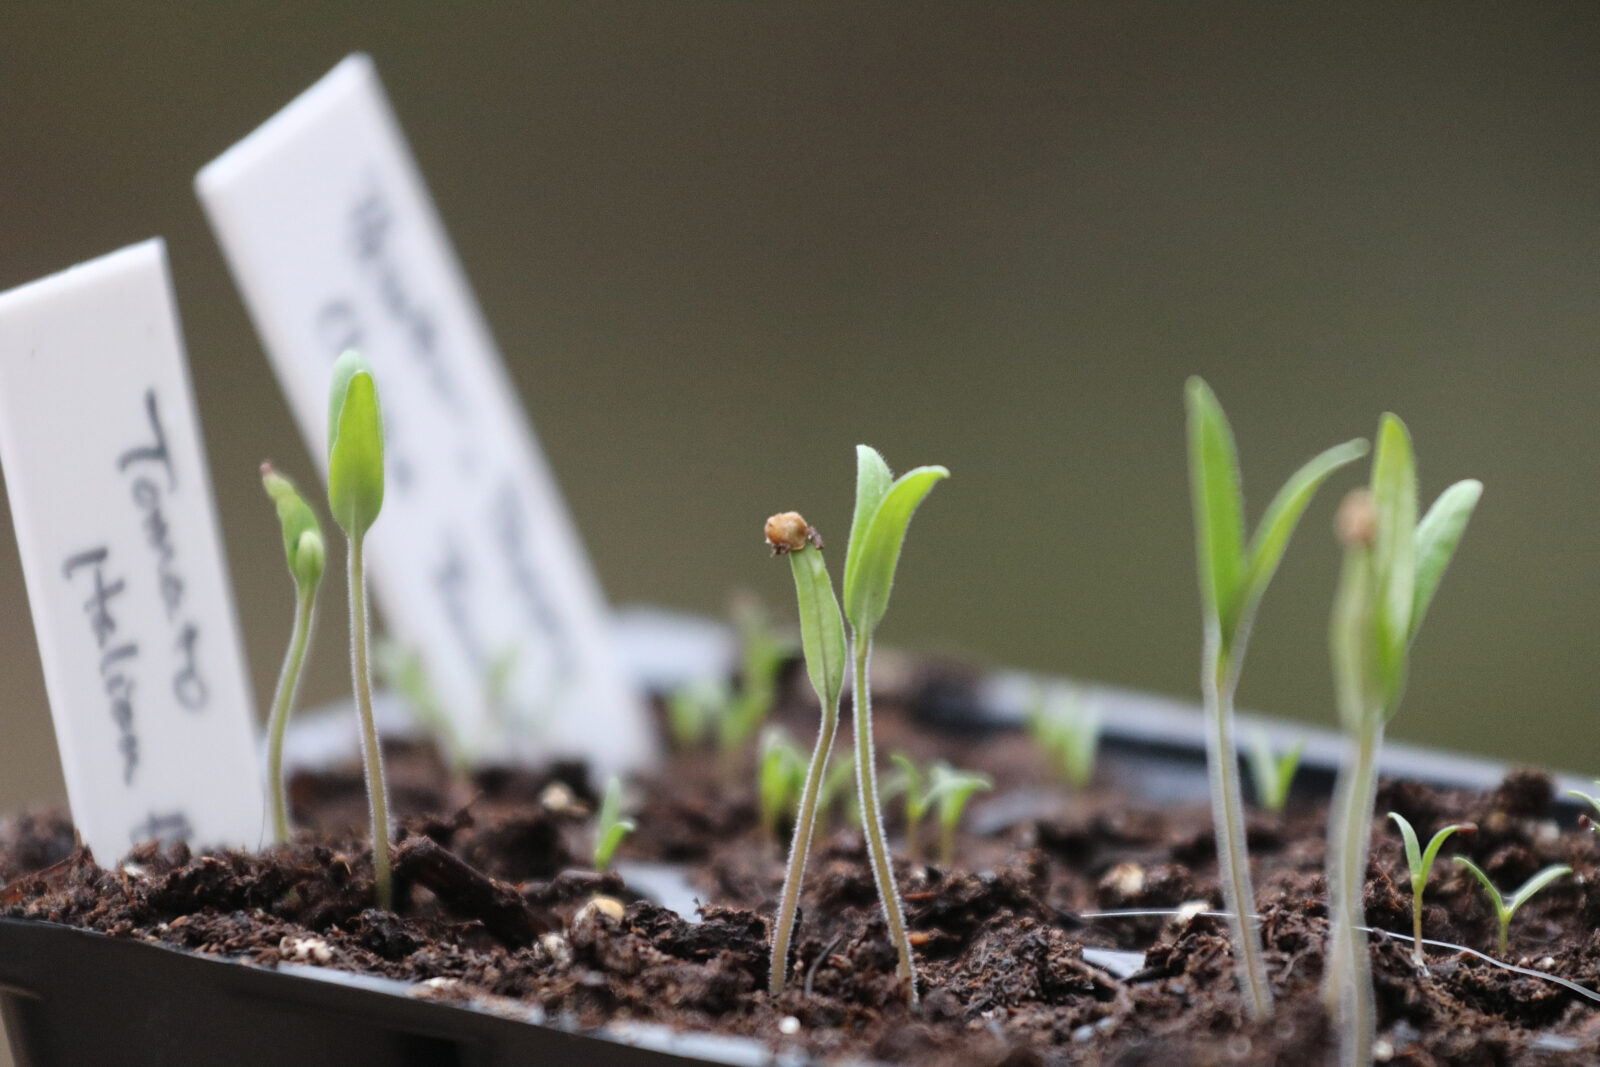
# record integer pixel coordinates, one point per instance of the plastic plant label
(117, 531)
(330, 233)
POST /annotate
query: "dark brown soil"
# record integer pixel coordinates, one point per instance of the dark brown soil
(492, 898)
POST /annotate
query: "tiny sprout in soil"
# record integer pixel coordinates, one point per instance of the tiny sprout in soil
(610, 825)
(1504, 909)
(1420, 861)
(1233, 577)
(1392, 567)
(355, 496)
(307, 554)
(1593, 802)
(1066, 728)
(1272, 773)
(780, 778)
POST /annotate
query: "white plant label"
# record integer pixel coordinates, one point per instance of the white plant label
(117, 532)
(329, 231)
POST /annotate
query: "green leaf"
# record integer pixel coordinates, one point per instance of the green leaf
(1218, 506)
(868, 582)
(611, 826)
(1431, 853)
(1534, 884)
(1438, 534)
(908, 781)
(1394, 500)
(821, 627)
(873, 479)
(1413, 849)
(303, 546)
(1271, 538)
(355, 446)
(1488, 887)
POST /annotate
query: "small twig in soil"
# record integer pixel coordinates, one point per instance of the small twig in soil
(811, 972)
(469, 892)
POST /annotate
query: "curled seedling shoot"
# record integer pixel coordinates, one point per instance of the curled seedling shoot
(1504, 909)
(307, 555)
(1271, 772)
(610, 825)
(355, 496)
(822, 642)
(780, 779)
(1420, 861)
(1066, 728)
(1391, 571)
(884, 506)
(952, 789)
(1233, 576)
(1587, 821)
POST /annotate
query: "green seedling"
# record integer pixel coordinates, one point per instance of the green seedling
(780, 779)
(1420, 861)
(838, 788)
(909, 782)
(763, 654)
(884, 506)
(402, 670)
(307, 555)
(1271, 772)
(952, 790)
(1586, 821)
(355, 496)
(1066, 728)
(610, 825)
(1504, 909)
(1391, 571)
(822, 642)
(1233, 576)
(694, 709)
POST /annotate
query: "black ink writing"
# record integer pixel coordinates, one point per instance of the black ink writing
(167, 827)
(116, 683)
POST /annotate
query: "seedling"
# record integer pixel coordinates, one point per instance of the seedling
(307, 554)
(693, 709)
(1271, 772)
(355, 496)
(822, 641)
(402, 670)
(763, 656)
(838, 787)
(1233, 577)
(781, 777)
(610, 825)
(952, 789)
(1504, 909)
(884, 506)
(1594, 802)
(1392, 568)
(910, 783)
(1420, 861)
(1066, 728)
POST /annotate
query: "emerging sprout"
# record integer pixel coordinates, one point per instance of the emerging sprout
(693, 709)
(1420, 861)
(764, 656)
(1066, 728)
(1272, 773)
(402, 670)
(952, 789)
(781, 775)
(1594, 802)
(1504, 909)
(1392, 567)
(838, 786)
(909, 782)
(306, 553)
(355, 496)
(1233, 577)
(610, 825)
(822, 640)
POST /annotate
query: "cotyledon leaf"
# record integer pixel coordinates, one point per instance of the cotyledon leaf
(1218, 505)
(1438, 535)
(867, 586)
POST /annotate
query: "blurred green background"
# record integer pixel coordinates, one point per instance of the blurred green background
(721, 242)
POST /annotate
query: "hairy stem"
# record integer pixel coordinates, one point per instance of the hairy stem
(1347, 983)
(372, 758)
(872, 820)
(1227, 812)
(1416, 927)
(282, 703)
(799, 849)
